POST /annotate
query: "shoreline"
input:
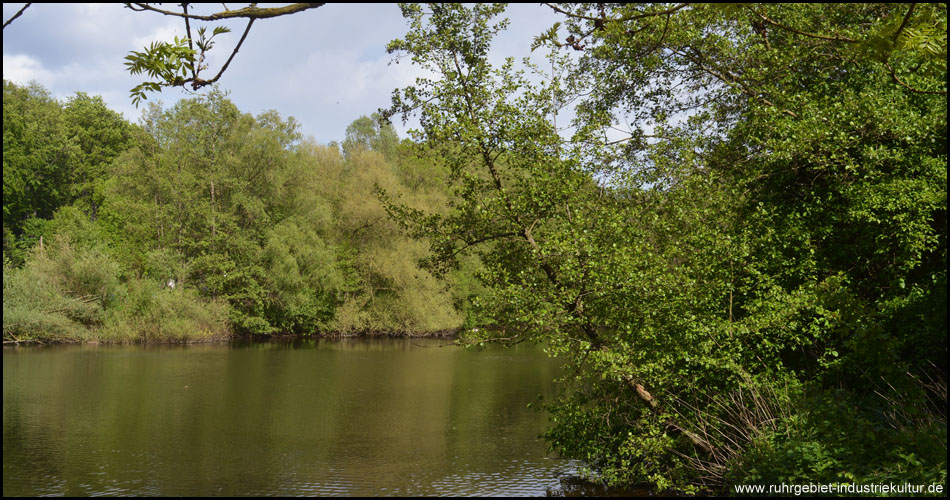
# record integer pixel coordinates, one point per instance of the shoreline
(447, 333)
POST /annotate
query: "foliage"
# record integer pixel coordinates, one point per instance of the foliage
(748, 285)
(150, 312)
(236, 208)
(387, 290)
(833, 441)
(779, 202)
(219, 207)
(170, 63)
(38, 160)
(371, 133)
(60, 294)
(212, 198)
(54, 155)
(101, 135)
(72, 291)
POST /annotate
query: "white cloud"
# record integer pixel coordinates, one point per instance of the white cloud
(21, 68)
(301, 65)
(165, 33)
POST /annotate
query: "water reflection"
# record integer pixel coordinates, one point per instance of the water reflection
(290, 417)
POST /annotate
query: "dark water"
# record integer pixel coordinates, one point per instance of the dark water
(352, 417)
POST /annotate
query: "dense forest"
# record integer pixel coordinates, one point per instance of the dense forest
(202, 221)
(748, 287)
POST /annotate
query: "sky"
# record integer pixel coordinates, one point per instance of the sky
(326, 67)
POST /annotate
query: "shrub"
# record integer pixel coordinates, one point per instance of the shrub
(60, 293)
(151, 313)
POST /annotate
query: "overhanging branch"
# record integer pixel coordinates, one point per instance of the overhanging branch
(250, 12)
(20, 12)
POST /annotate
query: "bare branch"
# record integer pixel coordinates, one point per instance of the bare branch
(600, 22)
(620, 19)
(654, 405)
(645, 136)
(196, 85)
(16, 15)
(571, 14)
(194, 71)
(250, 12)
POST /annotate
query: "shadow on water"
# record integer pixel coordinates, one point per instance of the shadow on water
(572, 486)
(374, 416)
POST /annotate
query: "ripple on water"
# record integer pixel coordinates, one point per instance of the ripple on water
(328, 419)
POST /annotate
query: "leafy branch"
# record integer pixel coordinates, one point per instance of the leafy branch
(172, 63)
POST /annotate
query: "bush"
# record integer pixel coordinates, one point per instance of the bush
(836, 439)
(69, 293)
(60, 294)
(151, 313)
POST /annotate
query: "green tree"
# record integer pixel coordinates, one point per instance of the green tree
(101, 134)
(221, 201)
(388, 291)
(55, 155)
(39, 159)
(744, 242)
(372, 133)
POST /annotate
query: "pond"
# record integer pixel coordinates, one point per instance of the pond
(353, 417)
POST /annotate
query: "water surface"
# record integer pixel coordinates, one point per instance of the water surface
(352, 417)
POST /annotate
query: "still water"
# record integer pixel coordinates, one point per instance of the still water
(350, 417)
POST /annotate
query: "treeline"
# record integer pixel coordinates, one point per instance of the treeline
(202, 221)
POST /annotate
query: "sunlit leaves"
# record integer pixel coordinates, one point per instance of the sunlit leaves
(781, 182)
(170, 63)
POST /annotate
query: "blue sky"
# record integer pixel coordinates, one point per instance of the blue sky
(326, 66)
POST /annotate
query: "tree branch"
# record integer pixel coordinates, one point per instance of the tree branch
(599, 23)
(836, 38)
(900, 28)
(732, 82)
(250, 12)
(194, 71)
(655, 406)
(908, 87)
(196, 85)
(476, 241)
(604, 19)
(16, 15)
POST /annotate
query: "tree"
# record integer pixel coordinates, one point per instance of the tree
(700, 273)
(101, 134)
(55, 154)
(39, 159)
(214, 198)
(371, 133)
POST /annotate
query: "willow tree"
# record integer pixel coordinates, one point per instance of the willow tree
(774, 214)
(221, 201)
